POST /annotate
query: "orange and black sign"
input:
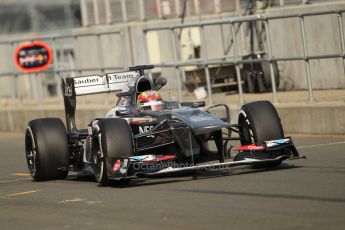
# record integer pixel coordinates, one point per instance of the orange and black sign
(33, 57)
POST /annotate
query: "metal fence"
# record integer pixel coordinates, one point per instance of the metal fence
(100, 63)
(96, 12)
(236, 59)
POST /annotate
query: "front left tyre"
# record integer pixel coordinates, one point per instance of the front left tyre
(46, 149)
(115, 141)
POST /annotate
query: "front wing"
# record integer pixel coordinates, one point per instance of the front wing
(174, 171)
(252, 159)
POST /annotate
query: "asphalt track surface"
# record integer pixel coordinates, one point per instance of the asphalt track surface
(303, 194)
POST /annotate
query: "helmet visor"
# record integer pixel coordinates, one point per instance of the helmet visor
(152, 106)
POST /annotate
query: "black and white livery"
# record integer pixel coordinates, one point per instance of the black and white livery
(129, 142)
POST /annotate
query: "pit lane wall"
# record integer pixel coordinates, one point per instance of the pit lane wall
(300, 119)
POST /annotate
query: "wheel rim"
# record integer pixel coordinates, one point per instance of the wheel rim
(98, 167)
(30, 153)
(247, 132)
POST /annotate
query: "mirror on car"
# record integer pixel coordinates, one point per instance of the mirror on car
(124, 94)
(169, 105)
(198, 104)
(195, 104)
(120, 113)
(160, 82)
(220, 111)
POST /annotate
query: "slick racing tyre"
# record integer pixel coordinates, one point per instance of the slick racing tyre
(116, 142)
(258, 122)
(46, 149)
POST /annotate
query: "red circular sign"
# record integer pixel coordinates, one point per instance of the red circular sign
(33, 57)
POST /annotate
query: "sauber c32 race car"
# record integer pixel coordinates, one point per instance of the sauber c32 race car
(131, 142)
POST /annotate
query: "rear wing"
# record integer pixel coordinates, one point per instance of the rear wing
(94, 84)
(88, 85)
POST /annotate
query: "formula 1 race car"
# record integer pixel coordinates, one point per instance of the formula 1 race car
(145, 136)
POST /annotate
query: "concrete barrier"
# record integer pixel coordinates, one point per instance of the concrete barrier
(297, 119)
(313, 119)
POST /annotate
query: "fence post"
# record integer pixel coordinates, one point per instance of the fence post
(146, 51)
(96, 12)
(124, 11)
(207, 71)
(176, 59)
(178, 10)
(340, 23)
(124, 49)
(77, 54)
(126, 33)
(14, 94)
(142, 10)
(159, 8)
(100, 52)
(84, 15)
(237, 67)
(38, 83)
(56, 71)
(101, 61)
(306, 59)
(77, 63)
(238, 5)
(197, 7)
(108, 11)
(217, 6)
(273, 80)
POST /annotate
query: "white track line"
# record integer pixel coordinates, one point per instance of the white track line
(16, 180)
(22, 193)
(318, 145)
(18, 194)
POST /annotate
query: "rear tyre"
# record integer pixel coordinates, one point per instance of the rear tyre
(116, 142)
(266, 70)
(259, 121)
(46, 149)
(257, 77)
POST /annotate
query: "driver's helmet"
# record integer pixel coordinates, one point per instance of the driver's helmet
(150, 101)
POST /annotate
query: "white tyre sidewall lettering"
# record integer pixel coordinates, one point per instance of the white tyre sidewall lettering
(33, 171)
(248, 122)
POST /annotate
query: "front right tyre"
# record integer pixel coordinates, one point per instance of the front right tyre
(259, 122)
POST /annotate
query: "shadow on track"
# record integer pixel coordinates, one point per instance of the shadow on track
(201, 175)
(265, 195)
